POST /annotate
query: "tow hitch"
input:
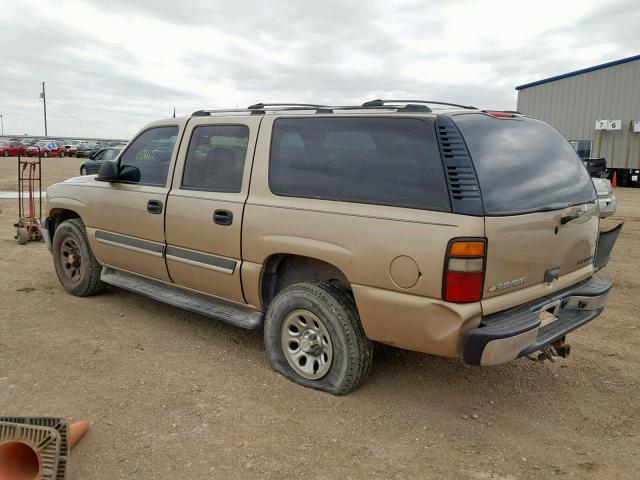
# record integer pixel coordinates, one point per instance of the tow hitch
(556, 349)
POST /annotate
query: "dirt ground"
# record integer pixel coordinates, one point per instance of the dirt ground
(171, 394)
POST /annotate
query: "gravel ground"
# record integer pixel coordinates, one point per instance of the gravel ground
(171, 394)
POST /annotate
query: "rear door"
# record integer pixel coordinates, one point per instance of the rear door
(541, 220)
(206, 205)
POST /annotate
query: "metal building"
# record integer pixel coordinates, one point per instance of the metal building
(596, 108)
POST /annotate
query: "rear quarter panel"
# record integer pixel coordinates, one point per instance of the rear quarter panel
(363, 241)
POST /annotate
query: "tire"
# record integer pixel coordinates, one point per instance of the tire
(45, 154)
(62, 154)
(22, 235)
(71, 253)
(326, 309)
(83, 171)
(6, 154)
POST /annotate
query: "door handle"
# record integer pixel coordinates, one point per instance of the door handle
(154, 206)
(223, 217)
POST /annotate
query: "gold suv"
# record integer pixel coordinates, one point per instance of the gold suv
(427, 226)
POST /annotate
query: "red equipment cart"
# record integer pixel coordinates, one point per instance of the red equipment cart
(29, 200)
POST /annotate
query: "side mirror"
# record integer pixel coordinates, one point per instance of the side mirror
(108, 172)
(128, 173)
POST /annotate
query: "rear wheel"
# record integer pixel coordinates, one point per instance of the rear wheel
(313, 336)
(6, 154)
(77, 268)
(45, 154)
(62, 154)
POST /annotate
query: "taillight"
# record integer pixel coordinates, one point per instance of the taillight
(464, 270)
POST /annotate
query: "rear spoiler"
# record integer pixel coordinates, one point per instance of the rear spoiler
(606, 241)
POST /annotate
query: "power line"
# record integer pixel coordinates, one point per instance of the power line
(85, 121)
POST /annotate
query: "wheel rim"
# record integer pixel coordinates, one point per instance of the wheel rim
(83, 171)
(306, 344)
(71, 260)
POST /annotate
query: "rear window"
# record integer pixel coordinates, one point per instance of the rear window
(523, 165)
(387, 161)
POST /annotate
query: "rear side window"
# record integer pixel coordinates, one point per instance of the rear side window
(386, 161)
(215, 159)
(523, 165)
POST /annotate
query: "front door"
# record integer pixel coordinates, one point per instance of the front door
(127, 231)
(206, 203)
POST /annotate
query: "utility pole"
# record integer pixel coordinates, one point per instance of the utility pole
(2, 123)
(43, 96)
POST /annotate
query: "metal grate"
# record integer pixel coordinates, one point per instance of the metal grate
(462, 182)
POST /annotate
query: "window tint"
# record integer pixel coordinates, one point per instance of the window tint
(110, 154)
(523, 165)
(151, 154)
(388, 161)
(215, 159)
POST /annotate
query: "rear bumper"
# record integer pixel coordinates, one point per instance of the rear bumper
(517, 332)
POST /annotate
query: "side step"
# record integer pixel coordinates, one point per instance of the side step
(194, 302)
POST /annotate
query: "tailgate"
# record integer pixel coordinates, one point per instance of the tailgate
(537, 248)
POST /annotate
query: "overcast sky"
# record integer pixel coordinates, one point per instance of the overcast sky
(112, 66)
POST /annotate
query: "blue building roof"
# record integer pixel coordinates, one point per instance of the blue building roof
(579, 72)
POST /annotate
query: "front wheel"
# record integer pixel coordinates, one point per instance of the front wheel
(6, 154)
(45, 154)
(62, 154)
(83, 170)
(77, 268)
(313, 336)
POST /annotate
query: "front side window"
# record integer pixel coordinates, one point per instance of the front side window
(215, 159)
(151, 153)
(386, 161)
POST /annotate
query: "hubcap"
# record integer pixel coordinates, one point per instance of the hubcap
(71, 260)
(306, 344)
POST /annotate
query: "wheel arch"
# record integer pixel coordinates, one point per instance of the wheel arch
(283, 269)
(59, 215)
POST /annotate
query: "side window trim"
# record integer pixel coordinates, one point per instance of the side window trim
(132, 142)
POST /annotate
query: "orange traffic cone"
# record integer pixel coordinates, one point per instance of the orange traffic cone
(27, 452)
(614, 179)
(76, 432)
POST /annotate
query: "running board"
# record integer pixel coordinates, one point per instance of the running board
(194, 302)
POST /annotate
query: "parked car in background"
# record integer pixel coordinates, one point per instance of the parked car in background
(46, 148)
(71, 147)
(87, 149)
(92, 165)
(607, 202)
(10, 148)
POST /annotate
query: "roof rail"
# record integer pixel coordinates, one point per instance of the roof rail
(263, 106)
(382, 103)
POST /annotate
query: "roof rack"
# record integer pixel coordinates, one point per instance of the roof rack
(262, 108)
(381, 103)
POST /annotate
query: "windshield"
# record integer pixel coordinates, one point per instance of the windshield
(523, 165)
(43, 143)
